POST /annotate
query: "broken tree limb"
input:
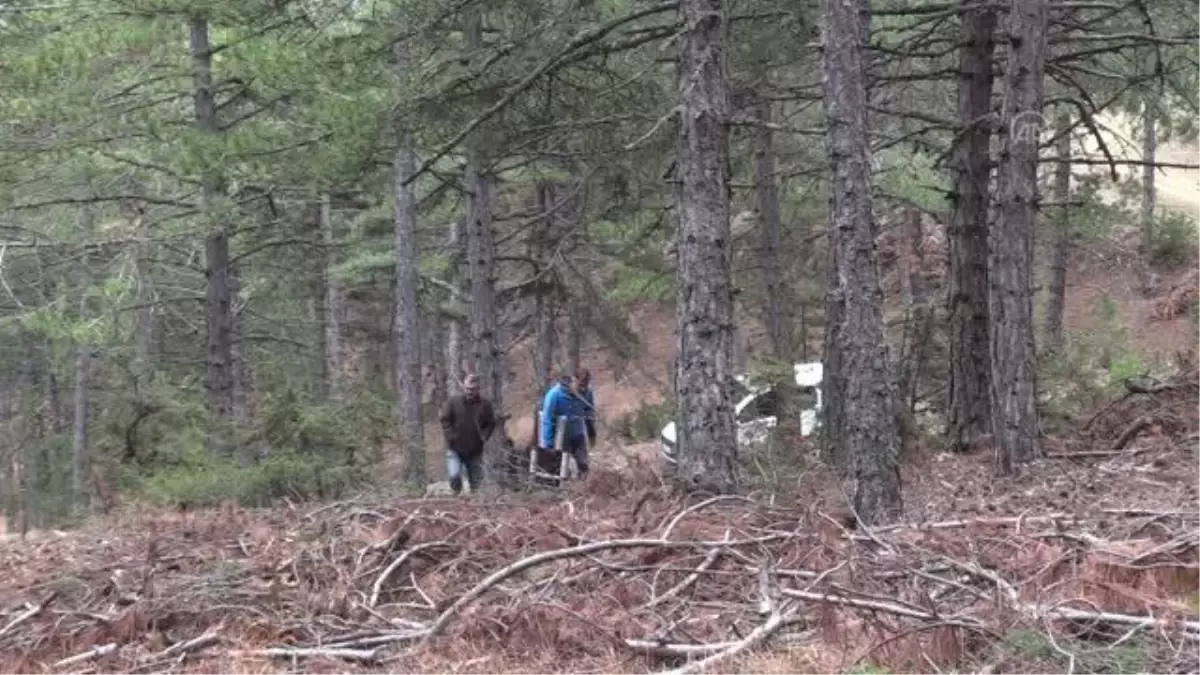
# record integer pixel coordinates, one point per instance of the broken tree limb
(708, 562)
(27, 615)
(377, 587)
(210, 637)
(496, 577)
(94, 653)
(759, 635)
(361, 655)
(1132, 431)
(1190, 629)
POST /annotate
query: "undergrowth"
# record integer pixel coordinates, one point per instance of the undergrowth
(1089, 367)
(1029, 650)
(301, 451)
(646, 422)
(201, 480)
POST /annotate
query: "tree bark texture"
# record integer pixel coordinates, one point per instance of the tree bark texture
(221, 376)
(870, 435)
(1149, 195)
(481, 255)
(1056, 301)
(707, 453)
(143, 316)
(833, 428)
(80, 448)
(778, 299)
(967, 234)
(407, 358)
(544, 305)
(1011, 246)
(331, 329)
(918, 328)
(455, 330)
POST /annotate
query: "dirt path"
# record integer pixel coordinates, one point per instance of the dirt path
(1178, 189)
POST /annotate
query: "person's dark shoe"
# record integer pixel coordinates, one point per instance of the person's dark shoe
(456, 485)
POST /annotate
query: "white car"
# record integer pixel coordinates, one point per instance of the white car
(757, 409)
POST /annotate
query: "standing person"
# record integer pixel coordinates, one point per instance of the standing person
(583, 379)
(467, 422)
(565, 403)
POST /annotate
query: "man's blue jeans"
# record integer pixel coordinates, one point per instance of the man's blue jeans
(454, 471)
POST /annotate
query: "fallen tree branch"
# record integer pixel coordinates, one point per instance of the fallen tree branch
(28, 614)
(210, 637)
(361, 655)
(496, 577)
(773, 623)
(377, 587)
(1132, 431)
(1191, 629)
(880, 606)
(94, 653)
(708, 562)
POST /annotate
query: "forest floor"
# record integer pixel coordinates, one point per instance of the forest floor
(1087, 561)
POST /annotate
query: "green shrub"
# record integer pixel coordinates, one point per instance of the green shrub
(1090, 367)
(299, 450)
(646, 422)
(1174, 240)
(201, 481)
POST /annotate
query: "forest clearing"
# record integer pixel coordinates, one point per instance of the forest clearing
(693, 336)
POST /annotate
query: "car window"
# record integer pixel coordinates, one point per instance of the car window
(806, 397)
(763, 405)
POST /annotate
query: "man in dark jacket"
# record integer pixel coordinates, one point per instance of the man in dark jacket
(467, 422)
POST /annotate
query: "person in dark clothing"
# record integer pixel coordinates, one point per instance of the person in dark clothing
(468, 420)
(572, 404)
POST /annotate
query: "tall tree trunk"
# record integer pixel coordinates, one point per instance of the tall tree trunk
(220, 379)
(243, 375)
(481, 260)
(1062, 235)
(53, 397)
(80, 451)
(455, 330)
(579, 314)
(918, 326)
(1014, 400)
(576, 327)
(833, 441)
(437, 357)
(870, 432)
(707, 453)
(778, 298)
(143, 316)
(331, 330)
(1149, 195)
(407, 362)
(544, 305)
(967, 298)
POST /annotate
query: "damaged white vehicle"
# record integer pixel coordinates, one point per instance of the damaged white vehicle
(757, 409)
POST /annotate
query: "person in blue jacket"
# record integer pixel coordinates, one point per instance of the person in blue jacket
(570, 402)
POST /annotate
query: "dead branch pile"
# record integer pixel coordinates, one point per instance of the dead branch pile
(621, 576)
(1180, 299)
(1164, 411)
